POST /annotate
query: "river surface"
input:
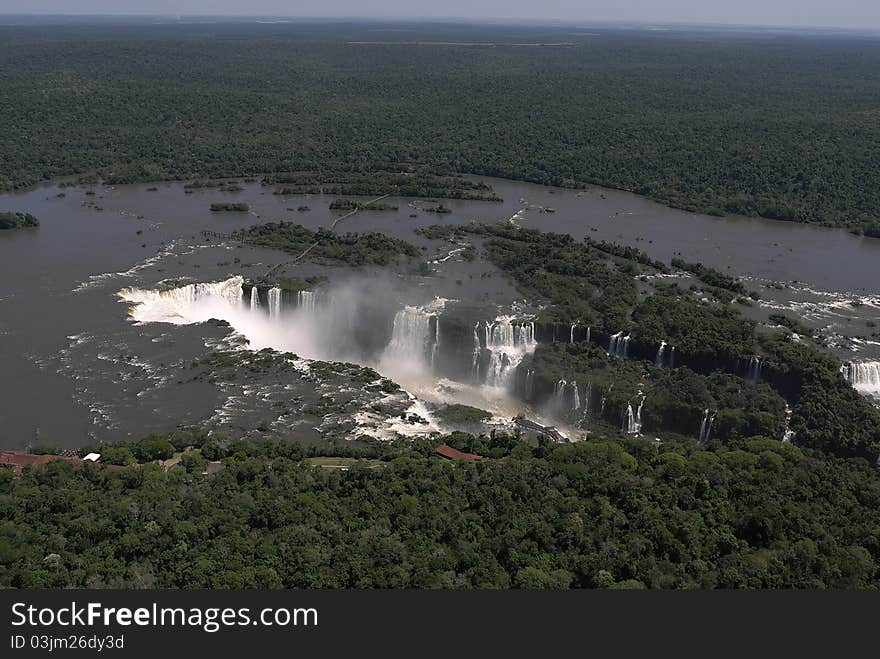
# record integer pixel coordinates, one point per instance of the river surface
(75, 368)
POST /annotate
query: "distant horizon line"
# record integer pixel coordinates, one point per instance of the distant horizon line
(512, 21)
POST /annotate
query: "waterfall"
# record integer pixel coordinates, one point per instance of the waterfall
(410, 336)
(588, 393)
(658, 360)
(306, 300)
(612, 343)
(475, 357)
(571, 335)
(588, 334)
(619, 345)
(863, 376)
(436, 341)
(576, 403)
(255, 298)
(192, 303)
(559, 389)
(706, 426)
(507, 343)
(672, 357)
(755, 369)
(530, 384)
(788, 433)
(275, 302)
(633, 420)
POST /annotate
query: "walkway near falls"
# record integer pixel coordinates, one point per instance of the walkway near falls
(549, 431)
(331, 227)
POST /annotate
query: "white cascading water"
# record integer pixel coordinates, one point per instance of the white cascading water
(588, 394)
(576, 402)
(571, 335)
(508, 343)
(415, 336)
(409, 347)
(306, 300)
(706, 426)
(633, 421)
(530, 384)
(275, 303)
(863, 376)
(193, 303)
(618, 345)
(436, 341)
(787, 433)
(658, 360)
(475, 356)
(255, 298)
(755, 369)
(588, 334)
(672, 357)
(559, 395)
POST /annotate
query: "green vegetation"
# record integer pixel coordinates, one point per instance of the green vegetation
(236, 207)
(396, 184)
(462, 414)
(827, 412)
(9, 221)
(583, 283)
(705, 335)
(350, 248)
(353, 205)
(790, 324)
(713, 277)
(599, 514)
(593, 284)
(780, 127)
(225, 186)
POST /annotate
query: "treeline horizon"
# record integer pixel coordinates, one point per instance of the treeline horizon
(781, 128)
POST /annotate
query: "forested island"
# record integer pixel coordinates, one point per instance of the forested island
(350, 249)
(9, 221)
(781, 127)
(236, 207)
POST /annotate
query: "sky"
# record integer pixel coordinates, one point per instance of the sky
(862, 14)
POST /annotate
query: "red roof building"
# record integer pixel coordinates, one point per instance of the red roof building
(445, 451)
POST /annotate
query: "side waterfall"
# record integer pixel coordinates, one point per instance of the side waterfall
(658, 360)
(507, 343)
(255, 298)
(275, 303)
(633, 422)
(618, 345)
(306, 300)
(706, 426)
(863, 376)
(755, 369)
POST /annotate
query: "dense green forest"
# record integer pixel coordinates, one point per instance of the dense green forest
(600, 514)
(783, 127)
(349, 248)
(747, 380)
(10, 221)
(399, 184)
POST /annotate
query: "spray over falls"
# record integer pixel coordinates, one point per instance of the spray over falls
(330, 325)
